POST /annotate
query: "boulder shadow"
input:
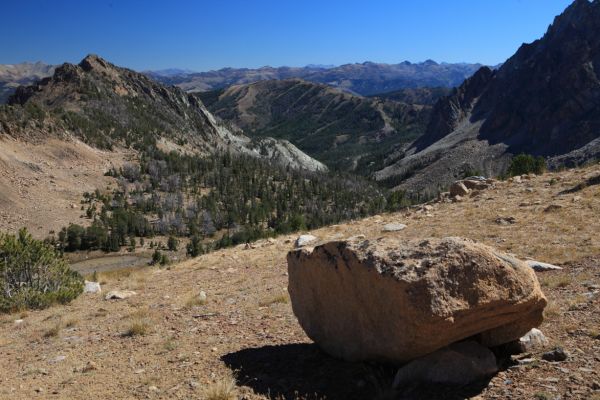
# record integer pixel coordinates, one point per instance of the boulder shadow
(303, 371)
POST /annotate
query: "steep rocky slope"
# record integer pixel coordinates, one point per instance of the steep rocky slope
(246, 325)
(545, 100)
(337, 128)
(14, 75)
(366, 78)
(108, 106)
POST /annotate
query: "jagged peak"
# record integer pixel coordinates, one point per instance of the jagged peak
(93, 61)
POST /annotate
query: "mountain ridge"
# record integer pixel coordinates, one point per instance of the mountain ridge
(106, 105)
(544, 100)
(367, 78)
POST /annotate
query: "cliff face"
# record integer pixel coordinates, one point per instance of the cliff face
(545, 100)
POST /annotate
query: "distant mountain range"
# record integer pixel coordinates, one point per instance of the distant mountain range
(14, 75)
(363, 79)
(344, 131)
(545, 100)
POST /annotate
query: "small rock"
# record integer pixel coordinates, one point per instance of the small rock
(556, 355)
(153, 389)
(458, 364)
(304, 240)
(458, 189)
(540, 266)
(19, 321)
(119, 294)
(202, 296)
(505, 220)
(90, 366)
(92, 287)
(57, 359)
(552, 208)
(532, 340)
(393, 227)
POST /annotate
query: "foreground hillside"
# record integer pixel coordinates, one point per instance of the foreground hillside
(163, 343)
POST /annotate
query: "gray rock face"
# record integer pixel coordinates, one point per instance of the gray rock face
(458, 364)
(396, 300)
(92, 287)
(304, 240)
(532, 340)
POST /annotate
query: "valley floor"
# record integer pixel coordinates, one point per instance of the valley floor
(161, 343)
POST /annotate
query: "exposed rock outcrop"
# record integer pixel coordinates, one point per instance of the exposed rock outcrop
(395, 300)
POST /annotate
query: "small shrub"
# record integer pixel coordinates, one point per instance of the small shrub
(33, 274)
(139, 324)
(223, 389)
(526, 164)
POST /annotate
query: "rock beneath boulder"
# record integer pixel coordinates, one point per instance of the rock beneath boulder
(304, 240)
(541, 267)
(458, 189)
(393, 227)
(92, 287)
(119, 294)
(395, 300)
(532, 340)
(458, 364)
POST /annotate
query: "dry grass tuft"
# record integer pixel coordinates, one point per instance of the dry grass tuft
(222, 389)
(552, 311)
(54, 330)
(139, 324)
(282, 298)
(556, 281)
(194, 299)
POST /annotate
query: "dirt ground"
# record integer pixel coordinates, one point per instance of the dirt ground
(244, 341)
(42, 184)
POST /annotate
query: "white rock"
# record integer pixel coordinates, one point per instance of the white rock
(92, 287)
(393, 227)
(540, 266)
(304, 240)
(202, 296)
(534, 339)
(119, 294)
(458, 364)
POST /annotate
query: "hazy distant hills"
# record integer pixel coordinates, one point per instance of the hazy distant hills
(14, 75)
(545, 100)
(364, 79)
(343, 130)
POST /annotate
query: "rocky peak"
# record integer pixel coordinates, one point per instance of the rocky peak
(92, 61)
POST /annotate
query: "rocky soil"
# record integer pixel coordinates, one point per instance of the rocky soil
(168, 342)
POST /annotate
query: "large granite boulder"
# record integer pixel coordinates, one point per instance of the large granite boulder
(396, 300)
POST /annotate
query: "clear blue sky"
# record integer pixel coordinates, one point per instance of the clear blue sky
(203, 35)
